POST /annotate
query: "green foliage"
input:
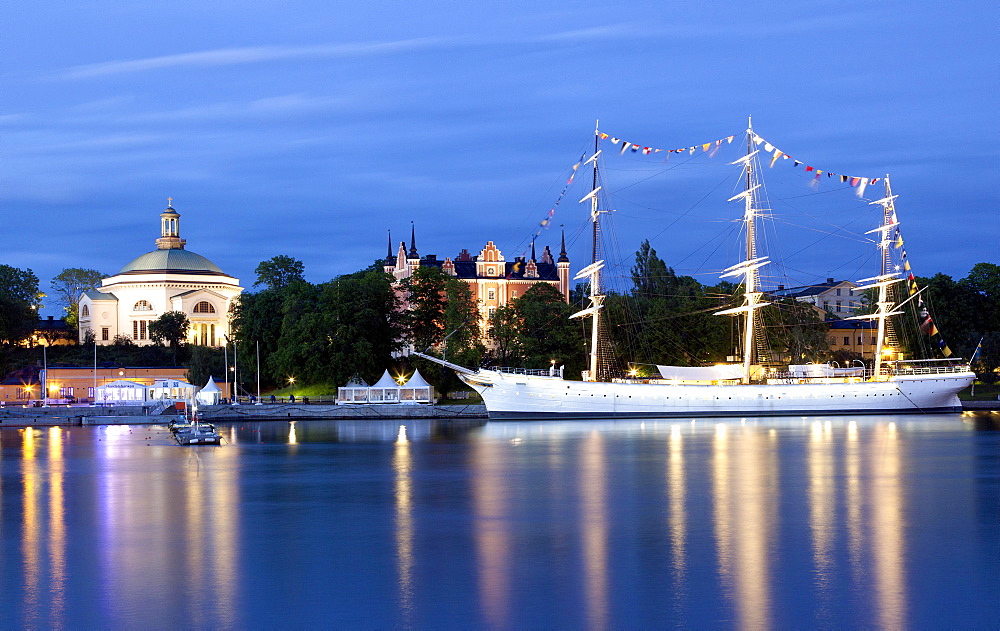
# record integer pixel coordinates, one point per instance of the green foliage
(428, 298)
(666, 318)
(318, 334)
(206, 362)
(19, 304)
(170, 328)
(279, 272)
(535, 329)
(69, 284)
(796, 332)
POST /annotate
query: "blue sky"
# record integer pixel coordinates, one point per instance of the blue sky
(311, 128)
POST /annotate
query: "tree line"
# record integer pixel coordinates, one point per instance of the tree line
(358, 325)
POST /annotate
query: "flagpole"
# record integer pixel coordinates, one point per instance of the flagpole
(979, 347)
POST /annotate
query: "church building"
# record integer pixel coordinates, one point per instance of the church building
(169, 278)
(494, 281)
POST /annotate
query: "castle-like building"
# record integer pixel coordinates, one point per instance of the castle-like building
(169, 278)
(494, 281)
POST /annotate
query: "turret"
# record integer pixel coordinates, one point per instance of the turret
(562, 266)
(170, 229)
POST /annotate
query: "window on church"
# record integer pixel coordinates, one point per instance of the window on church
(491, 294)
(86, 311)
(204, 307)
(142, 305)
(105, 333)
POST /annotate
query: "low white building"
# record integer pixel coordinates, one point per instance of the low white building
(122, 392)
(169, 278)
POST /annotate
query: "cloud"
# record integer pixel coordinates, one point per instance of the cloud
(252, 55)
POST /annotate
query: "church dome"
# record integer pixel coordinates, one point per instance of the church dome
(173, 260)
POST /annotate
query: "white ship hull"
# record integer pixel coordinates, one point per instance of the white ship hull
(516, 396)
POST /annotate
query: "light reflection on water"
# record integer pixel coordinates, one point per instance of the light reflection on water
(752, 523)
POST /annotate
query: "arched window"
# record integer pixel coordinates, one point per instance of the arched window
(204, 307)
(86, 311)
(142, 305)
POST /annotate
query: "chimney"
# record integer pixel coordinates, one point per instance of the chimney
(829, 280)
(780, 287)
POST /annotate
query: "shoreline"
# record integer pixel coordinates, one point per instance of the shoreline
(61, 416)
(135, 415)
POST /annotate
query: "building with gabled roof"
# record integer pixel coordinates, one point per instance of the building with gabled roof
(170, 278)
(494, 281)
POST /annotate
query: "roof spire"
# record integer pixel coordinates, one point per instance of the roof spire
(563, 258)
(532, 248)
(413, 242)
(388, 247)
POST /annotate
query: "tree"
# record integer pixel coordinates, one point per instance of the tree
(69, 284)
(651, 278)
(279, 272)
(505, 334)
(796, 328)
(19, 304)
(427, 296)
(546, 332)
(172, 328)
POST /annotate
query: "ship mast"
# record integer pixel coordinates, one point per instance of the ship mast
(593, 271)
(750, 266)
(885, 279)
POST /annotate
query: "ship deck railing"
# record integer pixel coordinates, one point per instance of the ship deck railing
(536, 372)
(926, 367)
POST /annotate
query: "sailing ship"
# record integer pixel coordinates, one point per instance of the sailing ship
(745, 388)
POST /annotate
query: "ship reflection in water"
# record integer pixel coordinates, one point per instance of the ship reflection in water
(888, 522)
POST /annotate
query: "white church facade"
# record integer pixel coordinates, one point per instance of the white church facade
(170, 278)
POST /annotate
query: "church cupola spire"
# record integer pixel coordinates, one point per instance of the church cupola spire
(532, 249)
(563, 257)
(170, 229)
(413, 243)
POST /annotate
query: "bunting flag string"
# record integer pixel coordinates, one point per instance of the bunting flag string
(859, 183)
(544, 223)
(927, 325)
(708, 147)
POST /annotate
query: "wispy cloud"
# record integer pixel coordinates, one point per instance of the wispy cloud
(253, 54)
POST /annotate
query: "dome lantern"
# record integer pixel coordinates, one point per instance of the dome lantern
(170, 229)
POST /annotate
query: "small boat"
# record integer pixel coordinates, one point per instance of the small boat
(196, 433)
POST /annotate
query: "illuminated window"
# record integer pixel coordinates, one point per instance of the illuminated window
(142, 305)
(86, 311)
(204, 307)
(491, 294)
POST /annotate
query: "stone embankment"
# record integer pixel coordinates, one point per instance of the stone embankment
(286, 411)
(136, 415)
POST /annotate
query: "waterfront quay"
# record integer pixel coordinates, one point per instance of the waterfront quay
(138, 415)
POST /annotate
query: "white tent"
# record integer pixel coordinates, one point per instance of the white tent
(121, 392)
(416, 390)
(210, 393)
(356, 391)
(386, 390)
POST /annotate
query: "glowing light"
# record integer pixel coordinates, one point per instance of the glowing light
(291, 380)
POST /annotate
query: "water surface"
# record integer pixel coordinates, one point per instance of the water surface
(834, 522)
